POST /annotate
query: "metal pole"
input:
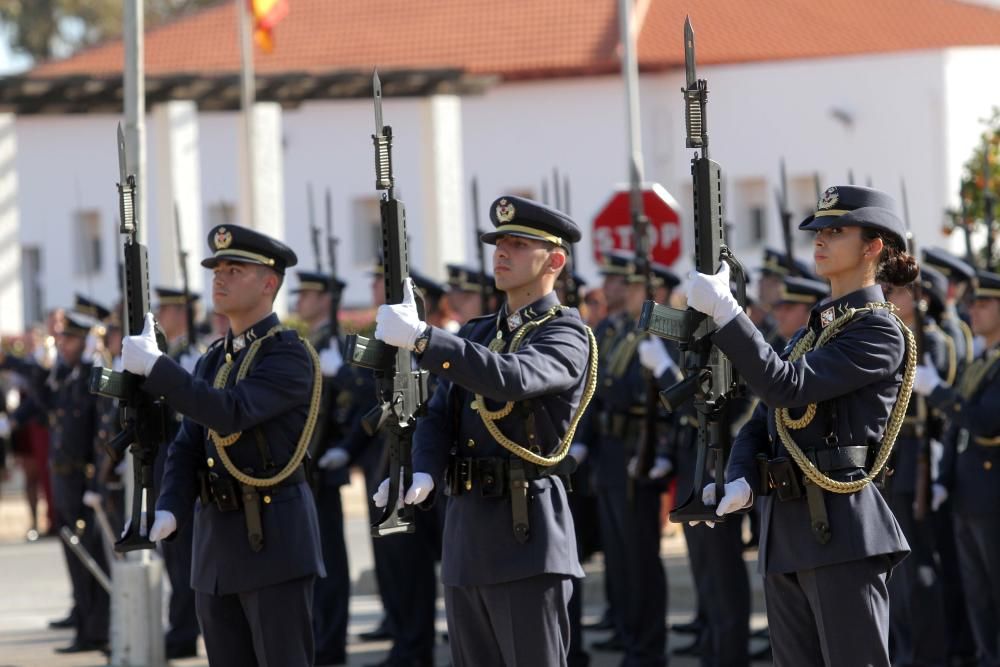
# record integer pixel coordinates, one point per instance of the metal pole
(248, 92)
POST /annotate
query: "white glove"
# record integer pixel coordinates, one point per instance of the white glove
(163, 526)
(937, 453)
(92, 499)
(578, 451)
(330, 359)
(189, 360)
(90, 347)
(711, 295)
(736, 495)
(939, 494)
(398, 324)
(139, 353)
(661, 468)
(654, 356)
(422, 486)
(926, 379)
(334, 458)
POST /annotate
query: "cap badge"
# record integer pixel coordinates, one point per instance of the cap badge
(829, 199)
(223, 238)
(505, 211)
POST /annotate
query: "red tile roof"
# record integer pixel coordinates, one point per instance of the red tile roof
(530, 38)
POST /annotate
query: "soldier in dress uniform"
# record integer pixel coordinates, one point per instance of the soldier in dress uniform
(235, 467)
(182, 636)
(316, 294)
(465, 288)
(967, 471)
(916, 621)
(961, 278)
(830, 406)
(511, 389)
(73, 426)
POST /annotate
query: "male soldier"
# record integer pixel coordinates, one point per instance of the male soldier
(512, 387)
(961, 278)
(249, 410)
(916, 620)
(795, 302)
(314, 306)
(615, 268)
(182, 637)
(966, 471)
(73, 424)
(465, 288)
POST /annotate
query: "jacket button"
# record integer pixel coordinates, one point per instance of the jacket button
(987, 465)
(471, 443)
(211, 462)
(267, 500)
(446, 365)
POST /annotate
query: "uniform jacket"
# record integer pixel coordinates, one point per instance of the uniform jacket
(274, 399)
(859, 371)
(546, 378)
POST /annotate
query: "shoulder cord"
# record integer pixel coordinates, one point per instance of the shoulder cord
(490, 417)
(221, 443)
(784, 422)
(975, 373)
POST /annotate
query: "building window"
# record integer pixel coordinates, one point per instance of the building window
(758, 226)
(87, 258)
(31, 282)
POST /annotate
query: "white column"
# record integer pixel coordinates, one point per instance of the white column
(178, 181)
(268, 193)
(11, 296)
(446, 218)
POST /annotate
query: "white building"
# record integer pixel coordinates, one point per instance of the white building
(501, 91)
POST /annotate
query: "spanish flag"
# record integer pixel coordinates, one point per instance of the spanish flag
(266, 14)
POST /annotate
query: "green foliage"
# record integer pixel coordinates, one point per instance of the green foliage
(46, 29)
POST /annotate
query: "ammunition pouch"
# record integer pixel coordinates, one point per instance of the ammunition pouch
(496, 477)
(229, 495)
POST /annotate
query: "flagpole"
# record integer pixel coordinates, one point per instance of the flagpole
(247, 96)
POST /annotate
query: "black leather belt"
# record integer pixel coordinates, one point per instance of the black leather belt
(832, 459)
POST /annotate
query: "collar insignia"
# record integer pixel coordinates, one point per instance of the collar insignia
(239, 343)
(514, 321)
(826, 317)
(223, 238)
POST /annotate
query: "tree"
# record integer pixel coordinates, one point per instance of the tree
(45, 29)
(980, 188)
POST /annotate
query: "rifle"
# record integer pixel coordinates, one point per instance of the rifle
(781, 194)
(556, 192)
(816, 186)
(570, 287)
(313, 227)
(331, 254)
(923, 483)
(710, 379)
(989, 200)
(182, 255)
(401, 391)
(485, 290)
(143, 419)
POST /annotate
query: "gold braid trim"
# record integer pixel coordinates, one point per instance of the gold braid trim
(975, 373)
(783, 422)
(300, 449)
(490, 417)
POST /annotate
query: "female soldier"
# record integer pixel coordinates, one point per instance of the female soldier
(830, 408)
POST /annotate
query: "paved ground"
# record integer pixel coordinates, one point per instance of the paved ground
(34, 588)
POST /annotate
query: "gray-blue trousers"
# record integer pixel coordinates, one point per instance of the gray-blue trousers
(837, 615)
(523, 623)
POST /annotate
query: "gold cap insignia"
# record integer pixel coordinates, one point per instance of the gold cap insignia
(505, 211)
(223, 238)
(828, 200)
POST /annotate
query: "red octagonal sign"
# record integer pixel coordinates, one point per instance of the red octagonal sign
(612, 228)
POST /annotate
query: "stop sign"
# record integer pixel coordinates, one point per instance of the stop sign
(612, 228)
